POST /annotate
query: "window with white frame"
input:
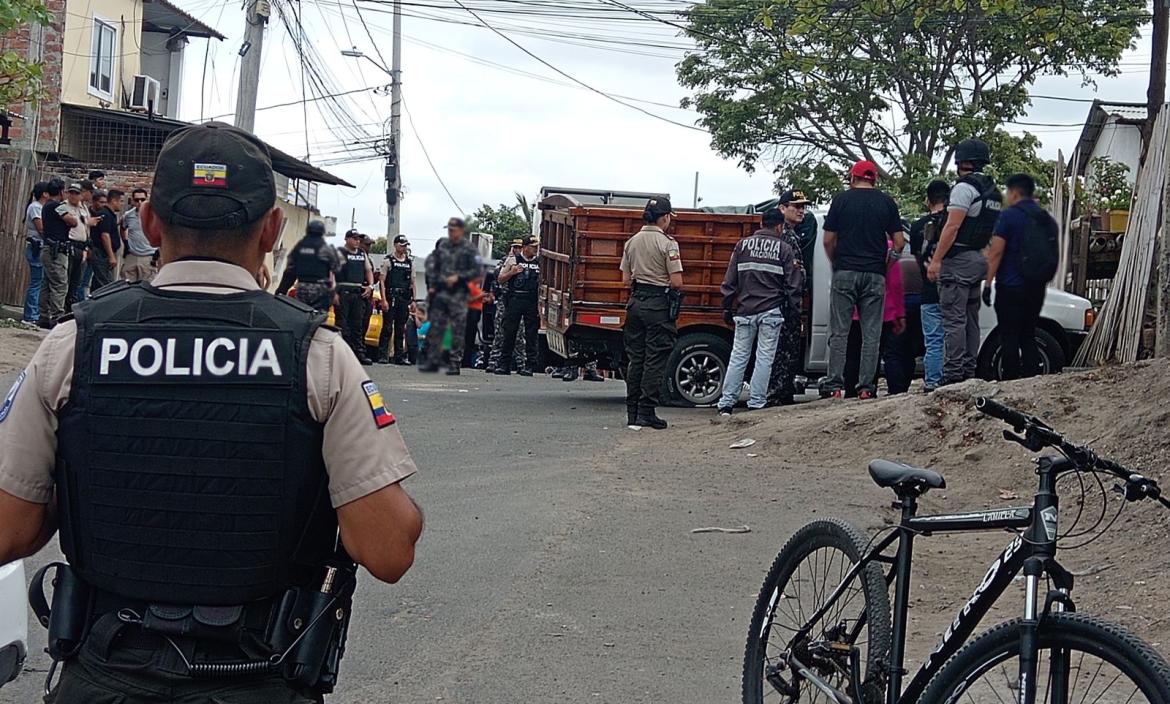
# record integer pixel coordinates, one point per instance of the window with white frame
(101, 61)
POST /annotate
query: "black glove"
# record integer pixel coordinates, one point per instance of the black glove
(987, 296)
(728, 317)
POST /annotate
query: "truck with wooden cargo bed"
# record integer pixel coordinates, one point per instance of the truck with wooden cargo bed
(582, 300)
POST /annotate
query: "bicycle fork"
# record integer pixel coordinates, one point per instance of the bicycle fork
(1030, 632)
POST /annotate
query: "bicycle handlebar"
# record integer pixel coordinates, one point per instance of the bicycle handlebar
(1037, 435)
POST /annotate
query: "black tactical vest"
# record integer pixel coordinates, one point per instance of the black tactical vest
(189, 467)
(311, 259)
(975, 232)
(353, 267)
(400, 273)
(528, 280)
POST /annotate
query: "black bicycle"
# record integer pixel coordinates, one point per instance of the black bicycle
(822, 630)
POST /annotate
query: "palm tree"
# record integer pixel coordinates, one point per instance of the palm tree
(524, 208)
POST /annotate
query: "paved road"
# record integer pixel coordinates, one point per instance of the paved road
(557, 563)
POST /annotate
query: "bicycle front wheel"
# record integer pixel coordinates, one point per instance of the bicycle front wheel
(1082, 659)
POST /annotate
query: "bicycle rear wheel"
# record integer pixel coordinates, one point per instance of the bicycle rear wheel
(803, 576)
(1082, 659)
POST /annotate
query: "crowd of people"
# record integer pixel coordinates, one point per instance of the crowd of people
(80, 237)
(975, 246)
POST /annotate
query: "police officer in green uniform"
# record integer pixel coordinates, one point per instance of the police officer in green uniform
(355, 284)
(312, 264)
(200, 445)
(652, 269)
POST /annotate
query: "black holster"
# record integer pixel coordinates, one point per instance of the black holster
(674, 297)
(68, 619)
(34, 246)
(312, 625)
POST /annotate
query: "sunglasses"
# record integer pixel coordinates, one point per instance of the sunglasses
(139, 200)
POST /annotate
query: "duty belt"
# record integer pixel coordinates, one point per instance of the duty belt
(651, 288)
(399, 292)
(346, 287)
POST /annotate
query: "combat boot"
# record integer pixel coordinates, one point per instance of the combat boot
(650, 420)
(453, 370)
(592, 375)
(570, 374)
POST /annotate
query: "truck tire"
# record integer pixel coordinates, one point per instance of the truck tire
(1052, 356)
(695, 372)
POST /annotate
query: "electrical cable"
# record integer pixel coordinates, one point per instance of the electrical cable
(418, 137)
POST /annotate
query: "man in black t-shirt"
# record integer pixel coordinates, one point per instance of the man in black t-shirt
(104, 238)
(56, 220)
(860, 223)
(924, 234)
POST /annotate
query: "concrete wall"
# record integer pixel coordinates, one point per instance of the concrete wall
(159, 62)
(126, 16)
(1121, 143)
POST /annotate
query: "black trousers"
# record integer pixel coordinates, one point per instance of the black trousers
(394, 324)
(648, 337)
(520, 308)
(469, 346)
(76, 269)
(1018, 311)
(350, 316)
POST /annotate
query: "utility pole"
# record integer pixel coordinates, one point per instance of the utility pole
(696, 201)
(257, 15)
(394, 159)
(1156, 93)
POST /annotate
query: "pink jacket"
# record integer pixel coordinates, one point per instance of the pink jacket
(895, 296)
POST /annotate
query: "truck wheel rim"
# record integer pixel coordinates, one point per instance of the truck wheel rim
(700, 377)
(1045, 361)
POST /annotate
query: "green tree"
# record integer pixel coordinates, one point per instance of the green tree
(379, 246)
(20, 79)
(503, 222)
(809, 86)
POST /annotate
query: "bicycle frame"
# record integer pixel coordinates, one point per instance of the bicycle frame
(1032, 552)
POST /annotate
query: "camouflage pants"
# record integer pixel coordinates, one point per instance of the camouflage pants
(498, 341)
(781, 387)
(448, 311)
(318, 296)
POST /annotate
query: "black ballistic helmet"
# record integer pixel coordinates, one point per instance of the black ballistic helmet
(975, 151)
(316, 228)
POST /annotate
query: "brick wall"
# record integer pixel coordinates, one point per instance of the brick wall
(124, 179)
(42, 121)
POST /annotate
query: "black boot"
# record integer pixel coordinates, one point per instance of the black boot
(525, 372)
(592, 375)
(632, 417)
(570, 374)
(559, 373)
(649, 419)
(453, 370)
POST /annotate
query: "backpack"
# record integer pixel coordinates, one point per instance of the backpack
(1040, 248)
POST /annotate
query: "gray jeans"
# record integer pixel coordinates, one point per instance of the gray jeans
(959, 286)
(866, 292)
(55, 284)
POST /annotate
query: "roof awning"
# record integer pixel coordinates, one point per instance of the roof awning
(162, 16)
(281, 163)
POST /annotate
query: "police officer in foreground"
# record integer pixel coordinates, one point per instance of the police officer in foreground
(355, 285)
(312, 264)
(520, 278)
(959, 265)
(652, 268)
(397, 301)
(199, 444)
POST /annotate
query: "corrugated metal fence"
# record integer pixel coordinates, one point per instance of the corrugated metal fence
(16, 183)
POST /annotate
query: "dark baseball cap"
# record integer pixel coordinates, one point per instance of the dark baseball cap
(518, 242)
(529, 241)
(457, 222)
(353, 235)
(401, 239)
(213, 176)
(659, 206)
(794, 198)
(73, 188)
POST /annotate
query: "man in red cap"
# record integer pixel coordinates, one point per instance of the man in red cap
(858, 227)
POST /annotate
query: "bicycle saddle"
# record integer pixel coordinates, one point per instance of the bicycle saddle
(904, 478)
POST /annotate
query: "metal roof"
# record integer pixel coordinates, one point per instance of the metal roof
(1099, 114)
(165, 17)
(281, 163)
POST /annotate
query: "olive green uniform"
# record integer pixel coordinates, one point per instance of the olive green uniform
(649, 257)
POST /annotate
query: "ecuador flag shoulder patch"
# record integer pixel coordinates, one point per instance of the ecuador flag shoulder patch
(382, 415)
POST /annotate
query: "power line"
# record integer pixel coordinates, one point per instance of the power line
(578, 81)
(410, 121)
(310, 100)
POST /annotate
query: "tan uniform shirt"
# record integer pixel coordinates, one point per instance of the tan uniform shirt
(359, 457)
(651, 256)
(80, 231)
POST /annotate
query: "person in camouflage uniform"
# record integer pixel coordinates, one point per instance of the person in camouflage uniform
(453, 264)
(790, 347)
(500, 292)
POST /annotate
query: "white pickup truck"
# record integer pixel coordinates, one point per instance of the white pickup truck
(1064, 322)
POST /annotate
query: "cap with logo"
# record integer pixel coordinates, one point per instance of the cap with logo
(73, 188)
(518, 242)
(794, 198)
(366, 239)
(864, 170)
(529, 241)
(352, 235)
(401, 239)
(456, 222)
(213, 176)
(659, 206)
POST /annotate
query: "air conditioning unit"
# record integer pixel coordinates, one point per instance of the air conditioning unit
(145, 94)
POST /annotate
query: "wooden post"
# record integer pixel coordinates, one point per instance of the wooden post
(1156, 92)
(1162, 329)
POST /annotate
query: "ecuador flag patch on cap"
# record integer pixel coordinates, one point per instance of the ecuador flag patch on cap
(209, 175)
(382, 416)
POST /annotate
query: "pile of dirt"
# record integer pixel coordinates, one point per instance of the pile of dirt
(1121, 411)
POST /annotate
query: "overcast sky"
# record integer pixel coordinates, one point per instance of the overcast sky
(491, 132)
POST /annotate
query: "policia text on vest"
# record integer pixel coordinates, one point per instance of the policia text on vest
(130, 356)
